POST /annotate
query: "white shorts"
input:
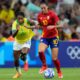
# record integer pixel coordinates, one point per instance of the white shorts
(17, 46)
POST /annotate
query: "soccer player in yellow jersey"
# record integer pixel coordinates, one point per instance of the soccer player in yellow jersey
(23, 36)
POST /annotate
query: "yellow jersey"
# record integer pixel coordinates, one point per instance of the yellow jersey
(23, 34)
(7, 16)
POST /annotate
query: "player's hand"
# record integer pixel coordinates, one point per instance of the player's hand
(26, 26)
(50, 27)
(18, 27)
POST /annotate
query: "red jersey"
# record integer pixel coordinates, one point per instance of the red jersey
(46, 20)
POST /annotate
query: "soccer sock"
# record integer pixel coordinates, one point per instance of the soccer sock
(42, 58)
(23, 57)
(17, 66)
(57, 65)
(18, 69)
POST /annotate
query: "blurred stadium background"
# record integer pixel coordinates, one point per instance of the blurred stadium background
(69, 49)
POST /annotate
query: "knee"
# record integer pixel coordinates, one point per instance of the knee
(23, 56)
(54, 58)
(42, 47)
(41, 50)
(16, 57)
(25, 50)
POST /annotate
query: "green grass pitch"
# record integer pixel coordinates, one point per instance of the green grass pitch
(32, 74)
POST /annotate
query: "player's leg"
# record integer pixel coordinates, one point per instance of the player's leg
(16, 62)
(17, 51)
(23, 57)
(56, 61)
(54, 47)
(42, 47)
(24, 52)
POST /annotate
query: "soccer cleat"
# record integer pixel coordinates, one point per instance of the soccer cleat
(26, 66)
(43, 68)
(17, 75)
(60, 75)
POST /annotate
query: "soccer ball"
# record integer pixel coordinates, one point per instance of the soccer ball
(49, 73)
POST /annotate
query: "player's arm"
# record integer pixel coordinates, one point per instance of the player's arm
(30, 24)
(14, 33)
(53, 26)
(15, 29)
(59, 25)
(39, 25)
(34, 25)
(56, 20)
(30, 27)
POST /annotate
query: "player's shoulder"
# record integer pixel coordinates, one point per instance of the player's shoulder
(39, 14)
(25, 18)
(15, 21)
(52, 12)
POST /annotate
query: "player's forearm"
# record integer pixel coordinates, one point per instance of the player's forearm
(34, 22)
(32, 27)
(59, 26)
(14, 33)
(53, 26)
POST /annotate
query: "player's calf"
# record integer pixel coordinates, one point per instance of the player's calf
(23, 57)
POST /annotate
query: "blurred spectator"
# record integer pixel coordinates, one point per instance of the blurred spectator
(33, 7)
(67, 32)
(78, 30)
(13, 3)
(2, 38)
(7, 14)
(78, 1)
(73, 20)
(61, 34)
(74, 37)
(68, 11)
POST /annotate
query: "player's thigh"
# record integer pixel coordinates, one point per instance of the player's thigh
(54, 44)
(54, 53)
(17, 54)
(26, 46)
(42, 47)
(25, 50)
(17, 46)
(43, 44)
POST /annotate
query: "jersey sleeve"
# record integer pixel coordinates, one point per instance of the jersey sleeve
(38, 19)
(55, 17)
(14, 26)
(26, 21)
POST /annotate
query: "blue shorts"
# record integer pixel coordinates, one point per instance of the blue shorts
(52, 42)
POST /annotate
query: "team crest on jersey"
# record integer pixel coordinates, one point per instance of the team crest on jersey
(48, 17)
(41, 18)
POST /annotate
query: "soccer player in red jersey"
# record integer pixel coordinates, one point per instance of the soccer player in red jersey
(49, 22)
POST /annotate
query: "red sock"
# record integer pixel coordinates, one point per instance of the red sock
(42, 58)
(57, 65)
